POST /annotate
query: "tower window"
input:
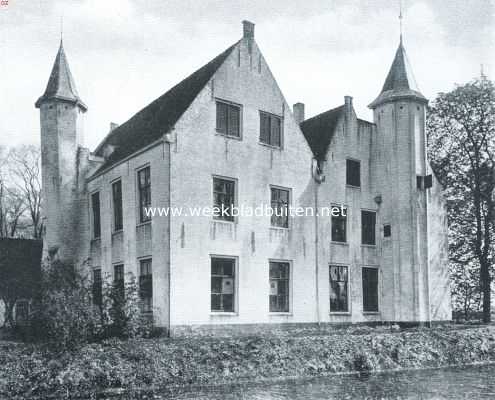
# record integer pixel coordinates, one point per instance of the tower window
(222, 284)
(279, 286)
(339, 292)
(144, 188)
(368, 222)
(370, 289)
(353, 173)
(117, 205)
(270, 129)
(95, 206)
(228, 119)
(339, 226)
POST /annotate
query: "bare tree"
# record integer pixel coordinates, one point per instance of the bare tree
(25, 172)
(461, 136)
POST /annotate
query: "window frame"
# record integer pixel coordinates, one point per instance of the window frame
(348, 289)
(363, 211)
(289, 286)
(114, 208)
(95, 288)
(142, 219)
(120, 281)
(378, 305)
(235, 301)
(289, 202)
(346, 225)
(390, 230)
(349, 160)
(281, 139)
(229, 105)
(219, 218)
(145, 308)
(93, 214)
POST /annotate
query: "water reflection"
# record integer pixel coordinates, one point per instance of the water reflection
(454, 383)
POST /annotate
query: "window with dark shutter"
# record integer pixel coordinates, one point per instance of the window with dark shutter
(146, 285)
(117, 205)
(95, 206)
(228, 119)
(279, 286)
(270, 129)
(280, 207)
(222, 284)
(339, 290)
(368, 222)
(339, 227)
(387, 230)
(97, 287)
(224, 198)
(370, 289)
(144, 189)
(353, 173)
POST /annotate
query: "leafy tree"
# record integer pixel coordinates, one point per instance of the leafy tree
(461, 147)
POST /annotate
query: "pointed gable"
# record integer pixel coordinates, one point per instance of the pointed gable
(400, 82)
(319, 131)
(61, 85)
(157, 118)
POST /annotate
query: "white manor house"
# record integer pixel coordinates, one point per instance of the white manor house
(226, 136)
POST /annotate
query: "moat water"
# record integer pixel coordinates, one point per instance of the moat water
(452, 383)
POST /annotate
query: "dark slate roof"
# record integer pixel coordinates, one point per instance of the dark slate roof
(61, 84)
(400, 80)
(319, 130)
(157, 118)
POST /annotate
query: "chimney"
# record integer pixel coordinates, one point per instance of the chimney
(113, 125)
(248, 29)
(298, 112)
(347, 113)
(348, 101)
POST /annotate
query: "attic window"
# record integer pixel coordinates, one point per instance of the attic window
(228, 119)
(353, 173)
(270, 129)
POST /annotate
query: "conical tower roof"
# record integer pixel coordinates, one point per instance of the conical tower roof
(61, 84)
(400, 82)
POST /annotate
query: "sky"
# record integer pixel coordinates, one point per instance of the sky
(125, 53)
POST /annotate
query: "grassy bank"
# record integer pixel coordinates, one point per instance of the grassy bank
(30, 371)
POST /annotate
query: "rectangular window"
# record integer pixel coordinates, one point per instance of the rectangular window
(228, 119)
(97, 287)
(279, 286)
(353, 173)
(339, 288)
(339, 227)
(270, 129)
(222, 284)
(117, 205)
(144, 189)
(370, 289)
(368, 222)
(387, 230)
(280, 207)
(118, 277)
(95, 206)
(146, 285)
(224, 198)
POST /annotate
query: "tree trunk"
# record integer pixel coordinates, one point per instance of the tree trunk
(485, 289)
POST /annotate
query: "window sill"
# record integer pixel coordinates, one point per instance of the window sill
(228, 136)
(143, 223)
(371, 312)
(340, 243)
(223, 221)
(370, 246)
(96, 240)
(223, 314)
(271, 146)
(280, 228)
(342, 313)
(352, 186)
(280, 314)
(118, 232)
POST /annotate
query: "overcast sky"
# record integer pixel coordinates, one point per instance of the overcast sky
(125, 53)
